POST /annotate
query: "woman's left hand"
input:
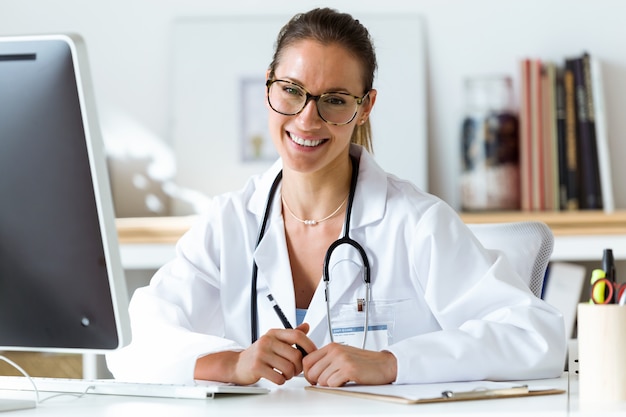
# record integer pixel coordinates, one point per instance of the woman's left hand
(335, 365)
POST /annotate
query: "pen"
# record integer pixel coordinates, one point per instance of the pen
(486, 393)
(284, 320)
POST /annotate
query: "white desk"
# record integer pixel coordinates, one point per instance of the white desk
(591, 410)
(293, 400)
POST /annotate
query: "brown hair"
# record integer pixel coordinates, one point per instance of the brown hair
(328, 26)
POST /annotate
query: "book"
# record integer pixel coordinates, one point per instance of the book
(549, 136)
(594, 172)
(532, 152)
(602, 140)
(570, 136)
(536, 137)
(525, 136)
(588, 173)
(559, 115)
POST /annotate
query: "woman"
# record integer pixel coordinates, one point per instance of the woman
(440, 306)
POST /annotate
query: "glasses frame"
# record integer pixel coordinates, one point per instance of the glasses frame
(309, 96)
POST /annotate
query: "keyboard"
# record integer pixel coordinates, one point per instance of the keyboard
(202, 390)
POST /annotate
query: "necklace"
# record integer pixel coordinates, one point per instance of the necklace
(313, 222)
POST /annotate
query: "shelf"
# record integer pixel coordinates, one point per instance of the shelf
(147, 243)
(562, 223)
(152, 230)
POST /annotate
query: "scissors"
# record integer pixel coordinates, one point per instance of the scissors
(603, 290)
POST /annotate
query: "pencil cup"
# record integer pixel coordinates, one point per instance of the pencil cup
(602, 353)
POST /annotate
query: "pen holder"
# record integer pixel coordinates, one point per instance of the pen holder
(602, 353)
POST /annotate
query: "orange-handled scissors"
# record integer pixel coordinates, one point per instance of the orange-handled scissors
(597, 291)
(605, 291)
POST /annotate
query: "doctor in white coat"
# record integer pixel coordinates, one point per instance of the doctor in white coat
(439, 307)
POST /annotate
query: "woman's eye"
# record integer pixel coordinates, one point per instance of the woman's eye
(293, 91)
(335, 100)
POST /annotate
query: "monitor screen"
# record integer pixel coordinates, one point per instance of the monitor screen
(62, 287)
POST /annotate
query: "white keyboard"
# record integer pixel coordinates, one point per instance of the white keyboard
(201, 390)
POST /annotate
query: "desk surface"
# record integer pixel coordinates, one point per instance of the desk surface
(591, 410)
(292, 400)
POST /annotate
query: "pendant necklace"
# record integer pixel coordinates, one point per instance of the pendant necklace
(312, 222)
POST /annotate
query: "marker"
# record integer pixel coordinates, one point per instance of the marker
(284, 320)
(598, 290)
(608, 265)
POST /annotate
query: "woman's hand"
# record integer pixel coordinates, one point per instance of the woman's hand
(334, 365)
(273, 357)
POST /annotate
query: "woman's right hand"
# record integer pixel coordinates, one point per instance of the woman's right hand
(273, 357)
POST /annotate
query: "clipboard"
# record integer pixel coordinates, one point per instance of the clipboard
(438, 393)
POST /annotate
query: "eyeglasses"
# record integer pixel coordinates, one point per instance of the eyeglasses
(335, 108)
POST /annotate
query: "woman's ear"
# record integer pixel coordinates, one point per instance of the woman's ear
(368, 104)
(267, 77)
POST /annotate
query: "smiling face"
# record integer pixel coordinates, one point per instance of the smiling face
(305, 142)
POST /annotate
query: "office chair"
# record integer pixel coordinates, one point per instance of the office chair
(527, 244)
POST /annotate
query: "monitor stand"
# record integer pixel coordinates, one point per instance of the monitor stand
(14, 405)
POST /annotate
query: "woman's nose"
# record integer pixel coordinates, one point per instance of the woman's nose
(309, 116)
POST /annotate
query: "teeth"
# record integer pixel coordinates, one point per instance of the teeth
(305, 142)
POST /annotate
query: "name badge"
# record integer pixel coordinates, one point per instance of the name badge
(377, 335)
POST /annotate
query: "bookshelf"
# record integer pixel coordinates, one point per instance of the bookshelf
(579, 236)
(147, 243)
(562, 223)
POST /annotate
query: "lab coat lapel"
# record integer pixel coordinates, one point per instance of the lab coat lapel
(271, 256)
(274, 275)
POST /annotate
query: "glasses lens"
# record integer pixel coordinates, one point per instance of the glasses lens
(286, 98)
(289, 99)
(338, 108)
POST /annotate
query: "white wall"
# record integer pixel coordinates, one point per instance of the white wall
(128, 41)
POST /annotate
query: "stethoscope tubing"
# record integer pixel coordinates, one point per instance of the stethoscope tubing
(254, 308)
(344, 240)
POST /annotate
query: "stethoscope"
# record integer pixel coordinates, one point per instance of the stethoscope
(344, 240)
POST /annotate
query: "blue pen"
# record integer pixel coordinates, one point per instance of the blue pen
(284, 320)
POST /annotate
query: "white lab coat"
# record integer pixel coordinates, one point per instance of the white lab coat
(463, 313)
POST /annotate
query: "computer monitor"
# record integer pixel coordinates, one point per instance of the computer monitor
(62, 286)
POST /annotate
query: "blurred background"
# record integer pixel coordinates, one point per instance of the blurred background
(132, 50)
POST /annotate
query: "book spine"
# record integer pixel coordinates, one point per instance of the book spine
(570, 136)
(602, 140)
(525, 134)
(587, 162)
(560, 138)
(537, 151)
(594, 169)
(548, 124)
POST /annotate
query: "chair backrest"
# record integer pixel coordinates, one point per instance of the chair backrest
(528, 245)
